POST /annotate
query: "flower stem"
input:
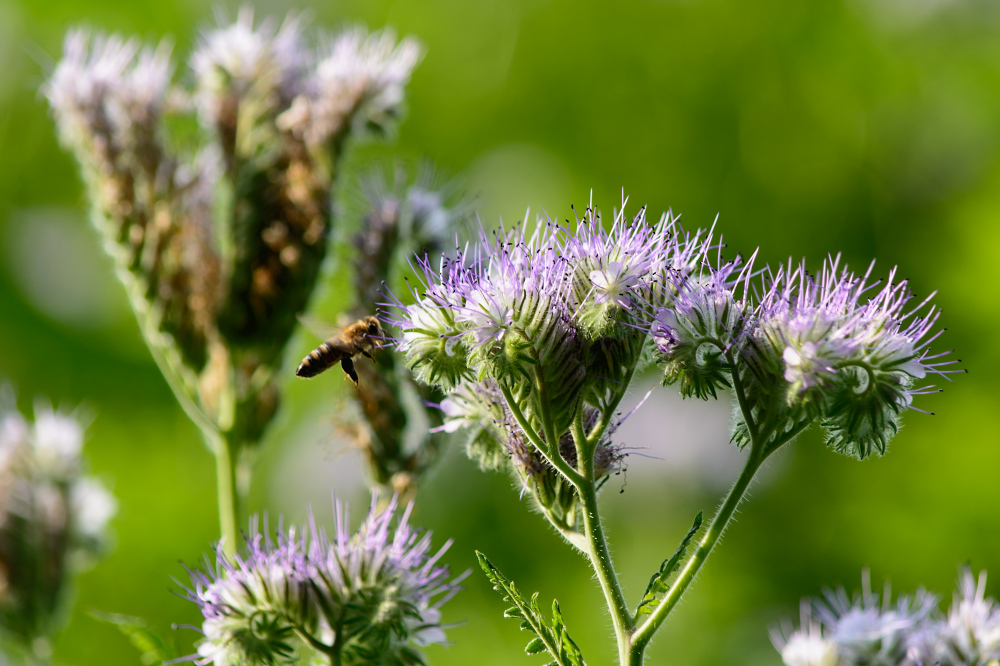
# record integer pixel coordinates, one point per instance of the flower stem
(225, 467)
(597, 545)
(600, 559)
(644, 633)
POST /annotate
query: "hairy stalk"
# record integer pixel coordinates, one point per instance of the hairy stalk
(741, 395)
(600, 559)
(643, 634)
(759, 451)
(597, 545)
(557, 461)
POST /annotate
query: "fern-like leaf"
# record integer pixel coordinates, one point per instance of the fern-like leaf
(659, 583)
(549, 635)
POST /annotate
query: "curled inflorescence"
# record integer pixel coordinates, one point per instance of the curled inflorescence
(373, 596)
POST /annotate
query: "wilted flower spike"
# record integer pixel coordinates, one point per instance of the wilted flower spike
(357, 76)
(371, 595)
(53, 518)
(241, 62)
(108, 93)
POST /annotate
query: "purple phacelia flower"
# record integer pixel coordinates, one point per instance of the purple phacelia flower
(614, 270)
(376, 592)
(704, 319)
(846, 352)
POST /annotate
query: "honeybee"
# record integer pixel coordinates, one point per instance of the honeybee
(357, 338)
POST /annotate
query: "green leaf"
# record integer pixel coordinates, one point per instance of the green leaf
(535, 645)
(154, 648)
(659, 583)
(550, 635)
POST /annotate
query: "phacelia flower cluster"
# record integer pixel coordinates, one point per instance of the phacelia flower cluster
(534, 337)
(517, 304)
(373, 596)
(838, 631)
(51, 512)
(527, 332)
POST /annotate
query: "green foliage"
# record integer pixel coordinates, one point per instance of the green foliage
(153, 647)
(659, 583)
(552, 636)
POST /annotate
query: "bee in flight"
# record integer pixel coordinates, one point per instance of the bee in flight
(357, 338)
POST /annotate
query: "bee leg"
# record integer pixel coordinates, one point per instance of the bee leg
(348, 365)
(367, 355)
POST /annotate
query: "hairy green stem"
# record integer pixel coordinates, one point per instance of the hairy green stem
(741, 396)
(644, 633)
(597, 545)
(557, 462)
(600, 559)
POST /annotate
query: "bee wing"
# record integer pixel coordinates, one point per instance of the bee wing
(319, 327)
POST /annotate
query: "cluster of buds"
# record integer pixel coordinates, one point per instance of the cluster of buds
(838, 631)
(220, 240)
(399, 216)
(53, 521)
(372, 597)
(535, 337)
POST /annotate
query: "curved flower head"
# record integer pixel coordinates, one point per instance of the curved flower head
(479, 408)
(386, 580)
(840, 350)
(612, 271)
(253, 604)
(703, 321)
(507, 300)
(433, 337)
(373, 596)
(809, 325)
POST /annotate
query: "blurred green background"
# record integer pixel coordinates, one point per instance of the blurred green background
(868, 127)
